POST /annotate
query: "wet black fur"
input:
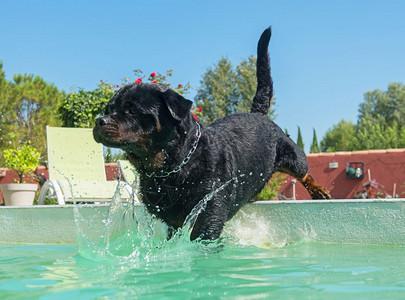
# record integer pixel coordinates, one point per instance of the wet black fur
(155, 127)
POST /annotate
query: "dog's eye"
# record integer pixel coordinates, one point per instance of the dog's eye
(109, 109)
(148, 123)
(130, 109)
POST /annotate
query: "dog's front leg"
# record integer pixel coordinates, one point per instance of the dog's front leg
(210, 222)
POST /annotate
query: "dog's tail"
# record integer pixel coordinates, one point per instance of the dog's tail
(264, 92)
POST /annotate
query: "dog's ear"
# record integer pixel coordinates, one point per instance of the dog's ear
(178, 106)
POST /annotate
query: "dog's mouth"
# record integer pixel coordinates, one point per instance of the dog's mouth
(108, 135)
(111, 135)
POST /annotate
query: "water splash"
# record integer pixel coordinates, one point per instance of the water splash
(189, 223)
(129, 234)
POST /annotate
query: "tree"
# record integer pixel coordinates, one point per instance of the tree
(389, 105)
(226, 90)
(380, 125)
(27, 105)
(314, 145)
(375, 133)
(5, 94)
(300, 142)
(339, 137)
(110, 157)
(246, 84)
(217, 92)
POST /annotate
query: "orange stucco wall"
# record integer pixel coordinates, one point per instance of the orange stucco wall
(387, 167)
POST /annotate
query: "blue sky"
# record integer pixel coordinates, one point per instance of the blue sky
(325, 54)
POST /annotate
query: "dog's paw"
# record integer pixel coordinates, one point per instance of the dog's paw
(320, 193)
(316, 191)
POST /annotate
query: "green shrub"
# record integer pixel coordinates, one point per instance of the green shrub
(271, 189)
(23, 160)
(81, 108)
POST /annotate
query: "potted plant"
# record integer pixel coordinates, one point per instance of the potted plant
(23, 160)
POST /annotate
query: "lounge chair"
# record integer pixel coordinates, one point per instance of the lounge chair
(129, 174)
(76, 169)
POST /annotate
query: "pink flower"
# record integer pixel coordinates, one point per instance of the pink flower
(139, 80)
(118, 85)
(195, 117)
(154, 81)
(200, 109)
(153, 74)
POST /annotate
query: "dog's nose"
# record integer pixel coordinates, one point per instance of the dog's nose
(101, 121)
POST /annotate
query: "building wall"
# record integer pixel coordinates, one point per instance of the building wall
(387, 167)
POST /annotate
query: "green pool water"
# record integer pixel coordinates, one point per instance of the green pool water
(124, 254)
(305, 270)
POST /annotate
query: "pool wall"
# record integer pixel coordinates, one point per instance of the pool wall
(269, 222)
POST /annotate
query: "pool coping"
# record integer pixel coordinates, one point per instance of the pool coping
(263, 202)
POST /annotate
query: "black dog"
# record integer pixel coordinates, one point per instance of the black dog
(180, 162)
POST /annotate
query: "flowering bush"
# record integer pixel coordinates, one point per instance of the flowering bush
(197, 111)
(159, 78)
(80, 109)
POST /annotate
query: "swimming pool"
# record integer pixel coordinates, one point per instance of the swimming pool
(305, 250)
(305, 270)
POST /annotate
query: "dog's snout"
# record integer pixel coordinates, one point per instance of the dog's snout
(101, 121)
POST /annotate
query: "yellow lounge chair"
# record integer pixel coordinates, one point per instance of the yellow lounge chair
(76, 169)
(129, 174)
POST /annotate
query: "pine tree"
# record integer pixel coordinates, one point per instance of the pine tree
(314, 146)
(300, 142)
(27, 105)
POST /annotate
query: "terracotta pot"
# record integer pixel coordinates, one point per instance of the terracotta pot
(19, 194)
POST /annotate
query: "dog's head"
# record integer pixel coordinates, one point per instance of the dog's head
(140, 118)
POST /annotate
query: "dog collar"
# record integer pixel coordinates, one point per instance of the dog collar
(177, 169)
